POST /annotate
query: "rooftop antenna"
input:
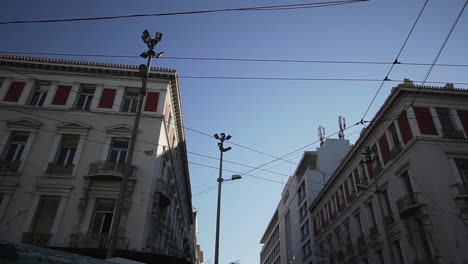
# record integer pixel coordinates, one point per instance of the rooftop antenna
(321, 134)
(342, 123)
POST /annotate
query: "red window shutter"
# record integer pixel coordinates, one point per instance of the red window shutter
(425, 122)
(315, 226)
(463, 114)
(405, 128)
(370, 170)
(151, 101)
(346, 189)
(61, 95)
(356, 176)
(107, 98)
(14, 92)
(384, 149)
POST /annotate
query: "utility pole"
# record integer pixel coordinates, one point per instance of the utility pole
(222, 149)
(144, 72)
(370, 160)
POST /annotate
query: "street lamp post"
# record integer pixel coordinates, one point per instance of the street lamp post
(368, 159)
(144, 72)
(222, 137)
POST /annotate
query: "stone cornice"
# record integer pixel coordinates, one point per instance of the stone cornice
(82, 66)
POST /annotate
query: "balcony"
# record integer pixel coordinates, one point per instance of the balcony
(362, 244)
(452, 133)
(389, 220)
(340, 255)
(408, 205)
(60, 169)
(108, 169)
(460, 190)
(425, 260)
(35, 238)
(90, 240)
(374, 231)
(163, 188)
(9, 167)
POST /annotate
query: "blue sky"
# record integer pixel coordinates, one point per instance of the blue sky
(272, 116)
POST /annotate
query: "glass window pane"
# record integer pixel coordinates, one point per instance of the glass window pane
(113, 156)
(97, 222)
(123, 156)
(10, 155)
(62, 155)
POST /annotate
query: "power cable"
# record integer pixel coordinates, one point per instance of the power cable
(234, 59)
(255, 8)
(257, 78)
(440, 51)
(285, 184)
(187, 128)
(144, 141)
(396, 60)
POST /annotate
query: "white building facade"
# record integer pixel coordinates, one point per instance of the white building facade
(408, 201)
(64, 134)
(287, 237)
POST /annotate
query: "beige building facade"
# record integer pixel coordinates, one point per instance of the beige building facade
(64, 136)
(406, 199)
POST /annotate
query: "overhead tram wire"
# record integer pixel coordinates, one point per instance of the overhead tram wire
(255, 78)
(141, 151)
(395, 62)
(282, 183)
(187, 128)
(254, 8)
(233, 59)
(440, 51)
(140, 140)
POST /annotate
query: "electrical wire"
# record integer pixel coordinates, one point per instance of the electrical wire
(144, 141)
(249, 78)
(234, 59)
(255, 8)
(187, 128)
(396, 60)
(440, 51)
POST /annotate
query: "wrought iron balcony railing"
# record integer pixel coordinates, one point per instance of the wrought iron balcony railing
(453, 134)
(425, 260)
(60, 169)
(163, 187)
(389, 220)
(91, 240)
(374, 231)
(408, 204)
(361, 243)
(461, 189)
(36, 238)
(109, 168)
(9, 167)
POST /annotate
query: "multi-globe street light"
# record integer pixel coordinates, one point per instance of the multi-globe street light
(221, 137)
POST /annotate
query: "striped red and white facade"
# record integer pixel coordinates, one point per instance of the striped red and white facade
(418, 143)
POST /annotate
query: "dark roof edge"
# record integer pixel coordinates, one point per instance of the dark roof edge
(85, 64)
